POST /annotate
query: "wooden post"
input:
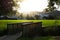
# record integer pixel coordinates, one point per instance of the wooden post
(13, 28)
(19, 27)
(9, 28)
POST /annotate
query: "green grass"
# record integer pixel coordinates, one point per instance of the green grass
(45, 23)
(38, 38)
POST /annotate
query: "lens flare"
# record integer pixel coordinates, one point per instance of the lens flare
(27, 6)
(33, 5)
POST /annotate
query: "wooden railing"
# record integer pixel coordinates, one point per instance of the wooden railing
(23, 27)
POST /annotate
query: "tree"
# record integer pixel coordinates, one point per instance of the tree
(6, 7)
(56, 1)
(52, 2)
(37, 17)
(50, 6)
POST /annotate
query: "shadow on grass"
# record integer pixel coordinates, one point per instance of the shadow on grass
(37, 38)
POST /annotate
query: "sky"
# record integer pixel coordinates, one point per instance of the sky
(32, 5)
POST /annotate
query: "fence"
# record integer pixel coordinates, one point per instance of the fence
(13, 28)
(31, 29)
(23, 27)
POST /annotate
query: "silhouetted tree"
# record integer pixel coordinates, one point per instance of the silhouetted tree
(6, 7)
(51, 4)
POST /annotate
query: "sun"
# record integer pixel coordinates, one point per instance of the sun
(27, 6)
(33, 5)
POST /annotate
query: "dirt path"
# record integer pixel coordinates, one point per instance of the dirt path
(11, 37)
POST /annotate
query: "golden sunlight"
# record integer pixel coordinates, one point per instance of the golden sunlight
(27, 6)
(32, 5)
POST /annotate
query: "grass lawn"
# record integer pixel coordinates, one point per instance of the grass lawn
(38, 38)
(45, 23)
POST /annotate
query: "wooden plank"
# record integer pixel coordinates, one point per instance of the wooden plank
(13, 28)
(24, 27)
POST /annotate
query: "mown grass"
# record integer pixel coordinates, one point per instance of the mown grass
(45, 23)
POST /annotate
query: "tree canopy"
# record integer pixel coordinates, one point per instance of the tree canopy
(52, 2)
(6, 6)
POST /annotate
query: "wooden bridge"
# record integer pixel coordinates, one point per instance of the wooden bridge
(23, 27)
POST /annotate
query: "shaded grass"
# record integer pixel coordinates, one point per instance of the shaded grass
(38, 38)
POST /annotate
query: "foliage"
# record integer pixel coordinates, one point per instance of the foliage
(6, 7)
(56, 1)
(51, 4)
